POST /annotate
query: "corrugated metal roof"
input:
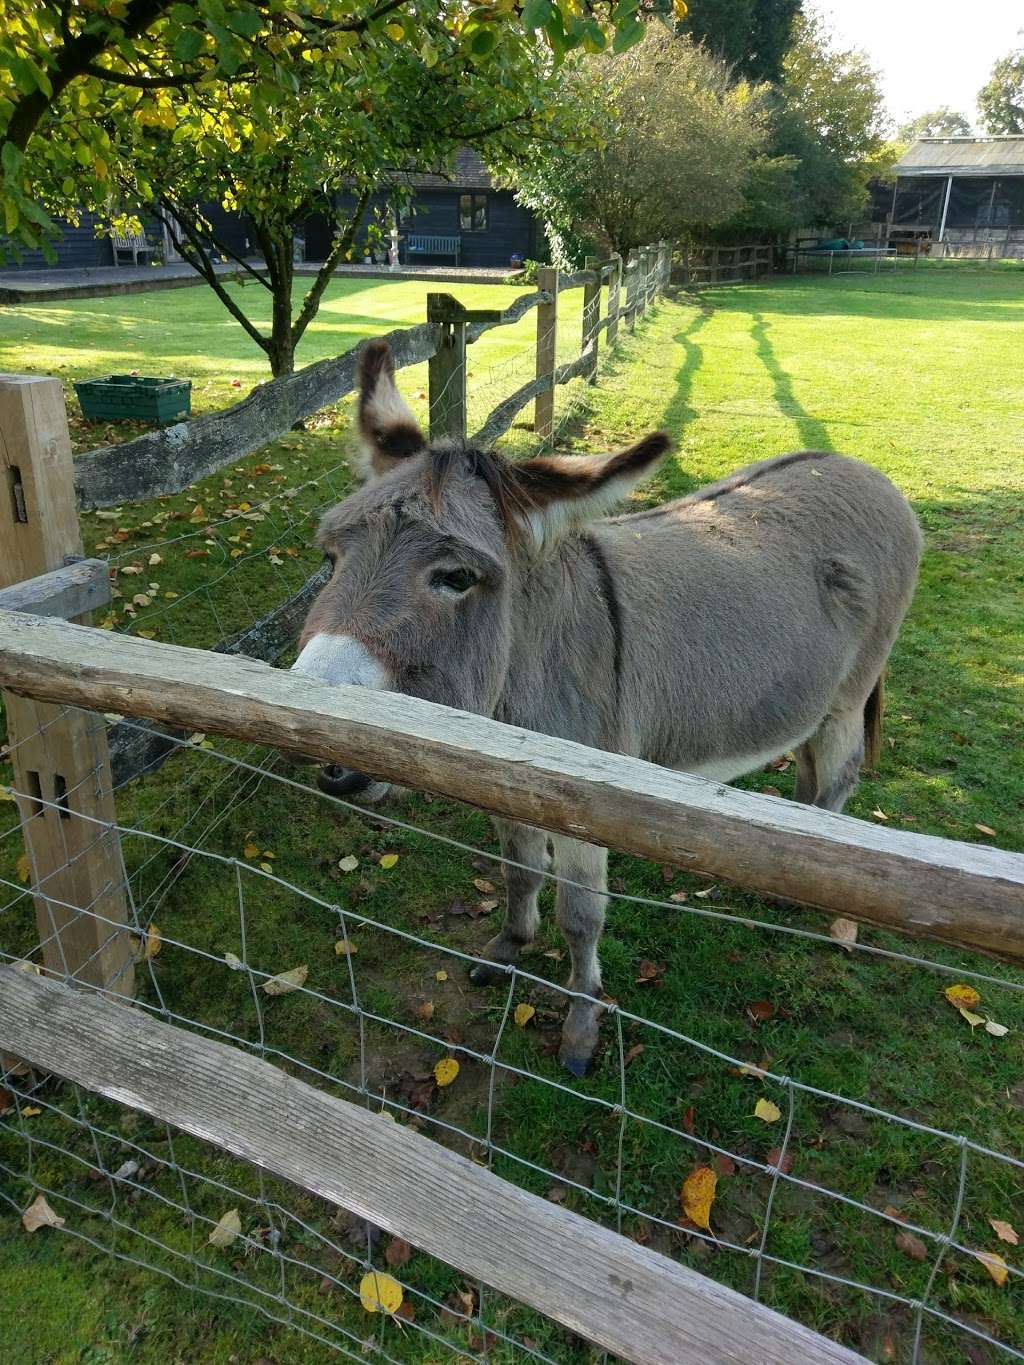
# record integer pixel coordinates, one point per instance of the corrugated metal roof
(963, 156)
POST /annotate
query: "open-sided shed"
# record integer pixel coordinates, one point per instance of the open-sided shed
(963, 192)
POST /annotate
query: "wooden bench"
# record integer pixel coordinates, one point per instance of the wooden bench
(136, 245)
(418, 244)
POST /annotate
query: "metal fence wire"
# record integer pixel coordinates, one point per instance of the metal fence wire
(334, 942)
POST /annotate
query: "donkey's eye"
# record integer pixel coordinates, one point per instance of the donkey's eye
(454, 580)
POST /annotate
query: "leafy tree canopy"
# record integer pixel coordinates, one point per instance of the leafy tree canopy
(750, 36)
(673, 143)
(1001, 98)
(941, 122)
(74, 73)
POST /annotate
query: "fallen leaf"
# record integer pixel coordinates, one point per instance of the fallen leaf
(688, 1117)
(555, 954)
(483, 885)
(843, 930)
(348, 863)
(767, 1111)
(780, 1160)
(251, 850)
(31, 1111)
(227, 1229)
(995, 1265)
(911, 1246)
(996, 1030)
(40, 1215)
(425, 1010)
(879, 814)
(446, 1070)
(633, 1053)
(441, 976)
(962, 997)
(986, 829)
(678, 897)
(345, 947)
(24, 868)
(266, 867)
(891, 1211)
(1004, 1231)
(154, 560)
(406, 1312)
(233, 961)
(154, 942)
(6, 794)
(286, 981)
(388, 860)
(198, 514)
(398, 1251)
(523, 1014)
(698, 1195)
(973, 1019)
(724, 1165)
(648, 972)
(760, 1011)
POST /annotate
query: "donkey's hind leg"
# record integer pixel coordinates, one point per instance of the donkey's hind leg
(580, 909)
(528, 846)
(836, 751)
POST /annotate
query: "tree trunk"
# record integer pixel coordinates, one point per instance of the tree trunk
(282, 346)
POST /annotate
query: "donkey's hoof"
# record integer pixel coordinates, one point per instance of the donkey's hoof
(578, 1064)
(486, 974)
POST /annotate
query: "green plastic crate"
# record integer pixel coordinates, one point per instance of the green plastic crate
(134, 398)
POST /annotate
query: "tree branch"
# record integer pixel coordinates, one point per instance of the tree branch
(106, 73)
(342, 243)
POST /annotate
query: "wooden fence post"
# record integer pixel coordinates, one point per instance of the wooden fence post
(592, 310)
(446, 369)
(60, 759)
(547, 348)
(614, 292)
(664, 266)
(632, 274)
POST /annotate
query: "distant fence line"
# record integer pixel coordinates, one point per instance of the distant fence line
(165, 462)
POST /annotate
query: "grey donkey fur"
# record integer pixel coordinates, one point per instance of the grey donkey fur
(709, 634)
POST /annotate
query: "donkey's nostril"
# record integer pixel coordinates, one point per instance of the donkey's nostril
(337, 781)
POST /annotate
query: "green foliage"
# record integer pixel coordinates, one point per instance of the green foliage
(671, 142)
(78, 78)
(751, 36)
(1001, 98)
(941, 122)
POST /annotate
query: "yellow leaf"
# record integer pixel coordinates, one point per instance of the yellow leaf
(523, 1014)
(388, 860)
(986, 829)
(197, 513)
(286, 981)
(767, 1111)
(395, 32)
(24, 868)
(973, 1019)
(233, 961)
(699, 1194)
(380, 1292)
(345, 948)
(39, 1214)
(995, 1265)
(266, 867)
(446, 1071)
(962, 997)
(30, 1111)
(153, 942)
(251, 850)
(441, 976)
(348, 864)
(1004, 1231)
(6, 794)
(227, 1229)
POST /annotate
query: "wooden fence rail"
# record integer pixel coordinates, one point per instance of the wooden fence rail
(640, 1305)
(969, 895)
(168, 461)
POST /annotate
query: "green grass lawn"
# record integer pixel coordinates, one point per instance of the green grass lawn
(919, 374)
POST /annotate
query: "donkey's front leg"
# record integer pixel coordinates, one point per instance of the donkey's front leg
(580, 910)
(528, 846)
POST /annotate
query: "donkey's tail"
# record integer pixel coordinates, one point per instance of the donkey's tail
(874, 710)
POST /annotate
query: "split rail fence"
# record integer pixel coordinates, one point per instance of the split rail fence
(217, 1078)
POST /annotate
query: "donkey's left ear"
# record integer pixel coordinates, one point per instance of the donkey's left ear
(388, 429)
(564, 491)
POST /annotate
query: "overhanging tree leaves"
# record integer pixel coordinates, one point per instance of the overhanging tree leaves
(1001, 98)
(71, 71)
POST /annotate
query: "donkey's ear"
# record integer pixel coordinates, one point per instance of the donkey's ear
(386, 424)
(564, 491)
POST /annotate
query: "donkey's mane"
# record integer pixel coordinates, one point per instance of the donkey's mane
(511, 499)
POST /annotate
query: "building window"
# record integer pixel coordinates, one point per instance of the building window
(473, 212)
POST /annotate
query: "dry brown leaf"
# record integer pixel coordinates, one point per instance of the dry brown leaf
(227, 1229)
(843, 930)
(995, 1265)
(154, 942)
(759, 1011)
(483, 885)
(986, 829)
(398, 1252)
(40, 1215)
(698, 1195)
(780, 1160)
(286, 981)
(911, 1246)
(425, 1010)
(1004, 1231)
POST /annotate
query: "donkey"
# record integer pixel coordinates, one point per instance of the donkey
(708, 634)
